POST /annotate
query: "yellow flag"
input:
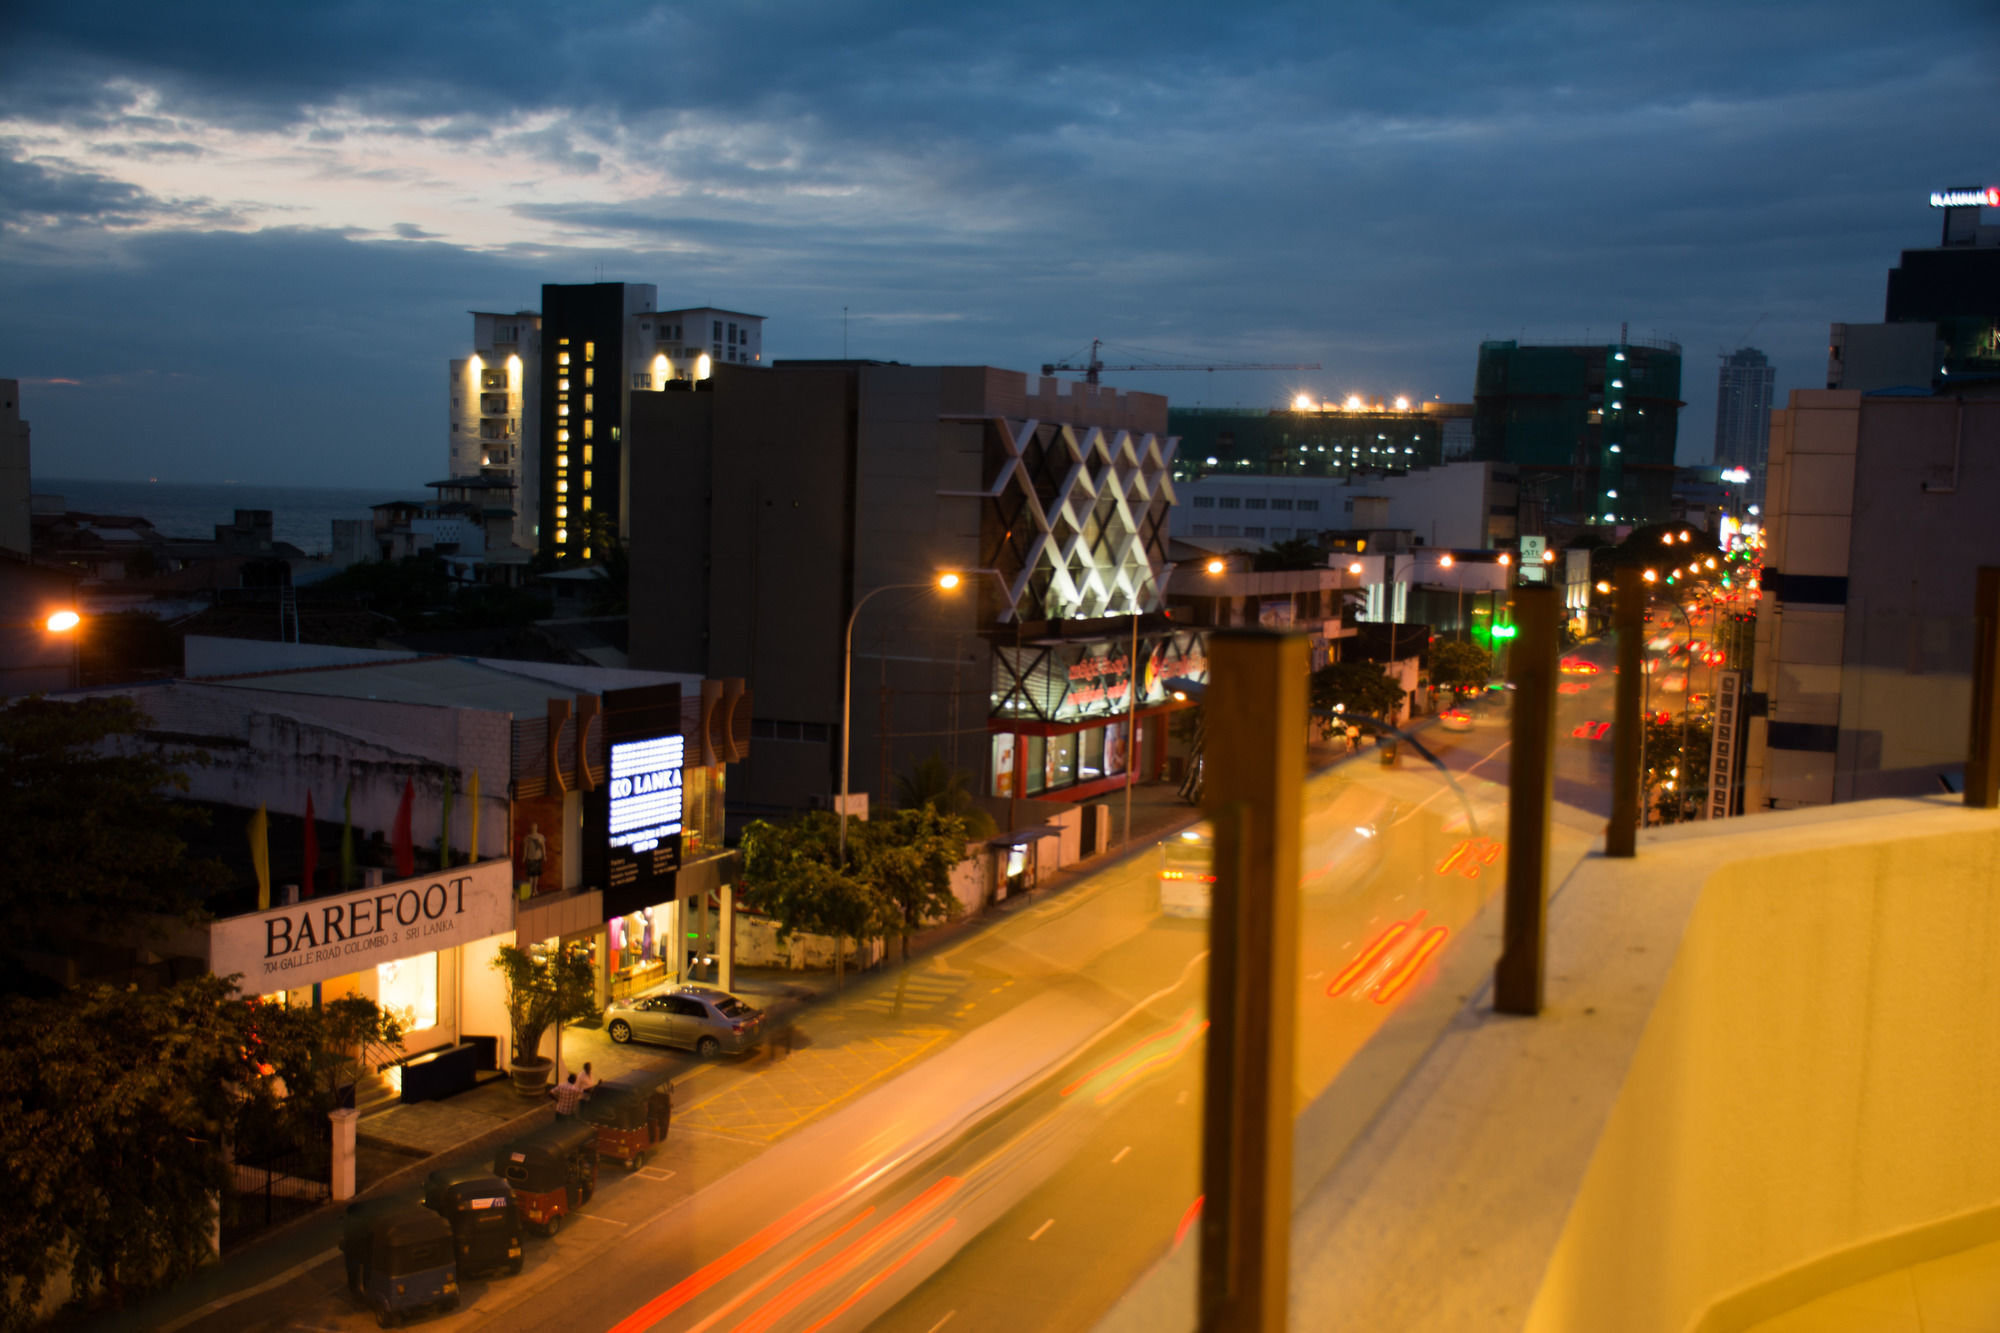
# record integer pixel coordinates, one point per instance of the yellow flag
(260, 855)
(472, 798)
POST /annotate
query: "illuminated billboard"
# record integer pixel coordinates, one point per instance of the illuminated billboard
(645, 809)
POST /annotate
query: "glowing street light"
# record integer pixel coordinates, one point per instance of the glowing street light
(1216, 565)
(62, 622)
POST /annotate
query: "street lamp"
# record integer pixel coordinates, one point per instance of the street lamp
(947, 581)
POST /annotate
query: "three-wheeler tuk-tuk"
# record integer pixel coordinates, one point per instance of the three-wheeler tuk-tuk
(553, 1170)
(485, 1224)
(400, 1259)
(631, 1116)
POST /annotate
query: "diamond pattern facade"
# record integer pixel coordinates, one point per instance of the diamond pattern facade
(1075, 519)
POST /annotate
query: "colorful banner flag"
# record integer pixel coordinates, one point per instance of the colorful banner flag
(260, 856)
(312, 849)
(405, 850)
(347, 838)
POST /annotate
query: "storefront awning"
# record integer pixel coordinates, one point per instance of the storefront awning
(1022, 837)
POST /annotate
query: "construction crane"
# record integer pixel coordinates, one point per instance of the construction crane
(1095, 366)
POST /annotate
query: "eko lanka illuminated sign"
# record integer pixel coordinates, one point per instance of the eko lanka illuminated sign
(645, 808)
(1988, 197)
(318, 939)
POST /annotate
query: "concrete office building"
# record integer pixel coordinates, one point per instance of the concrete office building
(1469, 505)
(543, 400)
(1941, 318)
(1743, 415)
(1590, 428)
(1879, 513)
(775, 503)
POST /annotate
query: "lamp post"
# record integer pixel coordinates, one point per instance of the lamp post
(1212, 566)
(54, 625)
(945, 581)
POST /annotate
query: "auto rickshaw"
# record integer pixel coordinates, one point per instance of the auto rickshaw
(399, 1259)
(553, 1170)
(631, 1116)
(485, 1224)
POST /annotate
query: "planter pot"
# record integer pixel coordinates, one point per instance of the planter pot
(531, 1076)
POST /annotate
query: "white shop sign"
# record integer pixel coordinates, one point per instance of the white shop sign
(320, 938)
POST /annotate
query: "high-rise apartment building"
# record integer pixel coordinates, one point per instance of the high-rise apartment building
(1743, 415)
(1590, 428)
(543, 401)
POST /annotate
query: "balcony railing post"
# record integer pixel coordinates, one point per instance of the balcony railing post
(1255, 773)
(1628, 620)
(1517, 980)
(1982, 760)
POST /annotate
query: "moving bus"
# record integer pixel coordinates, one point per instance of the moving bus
(1186, 871)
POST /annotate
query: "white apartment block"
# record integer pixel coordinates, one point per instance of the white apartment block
(495, 403)
(1459, 506)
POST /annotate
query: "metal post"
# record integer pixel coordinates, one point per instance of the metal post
(1621, 835)
(1982, 761)
(1131, 721)
(1256, 772)
(1517, 980)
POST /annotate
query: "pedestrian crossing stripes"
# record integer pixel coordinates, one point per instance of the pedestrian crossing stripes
(917, 993)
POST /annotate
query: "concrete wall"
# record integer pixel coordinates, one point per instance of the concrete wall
(1449, 506)
(1811, 1102)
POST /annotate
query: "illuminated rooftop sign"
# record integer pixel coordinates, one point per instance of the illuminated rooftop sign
(1985, 197)
(645, 808)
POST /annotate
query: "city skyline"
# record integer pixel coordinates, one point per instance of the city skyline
(245, 256)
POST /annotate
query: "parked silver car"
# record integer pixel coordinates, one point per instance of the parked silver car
(699, 1018)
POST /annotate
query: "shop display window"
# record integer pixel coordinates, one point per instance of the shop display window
(408, 989)
(1038, 779)
(1090, 758)
(1061, 761)
(1114, 749)
(1003, 765)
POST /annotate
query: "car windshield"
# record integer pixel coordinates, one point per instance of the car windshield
(731, 1007)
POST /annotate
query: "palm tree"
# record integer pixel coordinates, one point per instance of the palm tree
(934, 783)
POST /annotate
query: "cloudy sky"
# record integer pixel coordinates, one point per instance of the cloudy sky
(238, 240)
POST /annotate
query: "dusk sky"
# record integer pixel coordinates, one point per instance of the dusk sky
(238, 241)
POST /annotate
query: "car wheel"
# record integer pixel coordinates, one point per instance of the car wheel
(451, 1302)
(514, 1266)
(553, 1225)
(385, 1318)
(621, 1031)
(353, 1276)
(708, 1048)
(635, 1161)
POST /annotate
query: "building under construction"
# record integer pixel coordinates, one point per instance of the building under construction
(1336, 438)
(1591, 428)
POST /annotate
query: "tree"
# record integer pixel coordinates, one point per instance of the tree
(114, 1109)
(935, 784)
(908, 857)
(1297, 553)
(1353, 687)
(1460, 666)
(94, 840)
(541, 991)
(794, 871)
(317, 1051)
(614, 561)
(1676, 780)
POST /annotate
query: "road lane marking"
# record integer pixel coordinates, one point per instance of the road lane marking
(1121, 1154)
(942, 1322)
(1043, 1227)
(599, 1217)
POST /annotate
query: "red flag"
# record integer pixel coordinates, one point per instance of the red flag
(312, 849)
(406, 851)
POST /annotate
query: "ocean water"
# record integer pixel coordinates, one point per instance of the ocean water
(301, 515)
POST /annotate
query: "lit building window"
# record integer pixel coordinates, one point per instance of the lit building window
(562, 487)
(562, 511)
(563, 383)
(589, 428)
(589, 376)
(586, 455)
(562, 434)
(562, 409)
(586, 480)
(590, 351)
(586, 504)
(562, 536)
(589, 403)
(562, 358)
(562, 460)
(408, 989)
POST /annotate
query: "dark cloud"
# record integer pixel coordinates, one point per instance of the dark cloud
(1371, 186)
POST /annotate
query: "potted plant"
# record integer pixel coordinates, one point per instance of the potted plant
(561, 988)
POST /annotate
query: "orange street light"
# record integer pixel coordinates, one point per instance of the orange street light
(1216, 565)
(62, 622)
(947, 580)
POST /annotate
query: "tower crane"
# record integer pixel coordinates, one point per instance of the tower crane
(1094, 366)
